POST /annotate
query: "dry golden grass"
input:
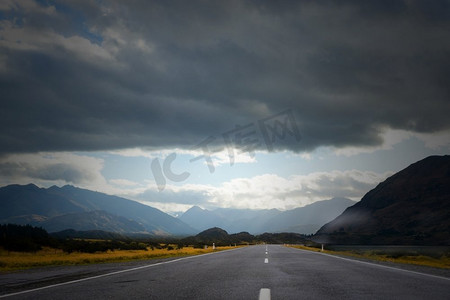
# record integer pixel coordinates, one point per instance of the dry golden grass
(10, 261)
(422, 260)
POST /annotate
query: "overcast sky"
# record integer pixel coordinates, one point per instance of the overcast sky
(249, 104)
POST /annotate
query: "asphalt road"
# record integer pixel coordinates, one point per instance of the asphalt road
(245, 273)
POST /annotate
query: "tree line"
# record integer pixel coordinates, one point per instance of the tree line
(27, 238)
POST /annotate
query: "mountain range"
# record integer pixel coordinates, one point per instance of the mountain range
(69, 207)
(305, 220)
(410, 207)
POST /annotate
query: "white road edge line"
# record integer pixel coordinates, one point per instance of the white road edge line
(377, 265)
(264, 294)
(113, 273)
(266, 261)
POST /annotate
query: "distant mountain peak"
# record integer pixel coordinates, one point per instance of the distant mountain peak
(195, 208)
(306, 220)
(32, 186)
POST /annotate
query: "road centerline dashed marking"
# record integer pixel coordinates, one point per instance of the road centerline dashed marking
(264, 294)
(266, 261)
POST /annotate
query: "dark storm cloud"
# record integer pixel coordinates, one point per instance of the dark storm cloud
(79, 76)
(50, 172)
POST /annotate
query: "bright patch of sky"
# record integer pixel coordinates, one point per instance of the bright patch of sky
(282, 180)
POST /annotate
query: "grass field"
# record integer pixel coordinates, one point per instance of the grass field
(442, 261)
(11, 261)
